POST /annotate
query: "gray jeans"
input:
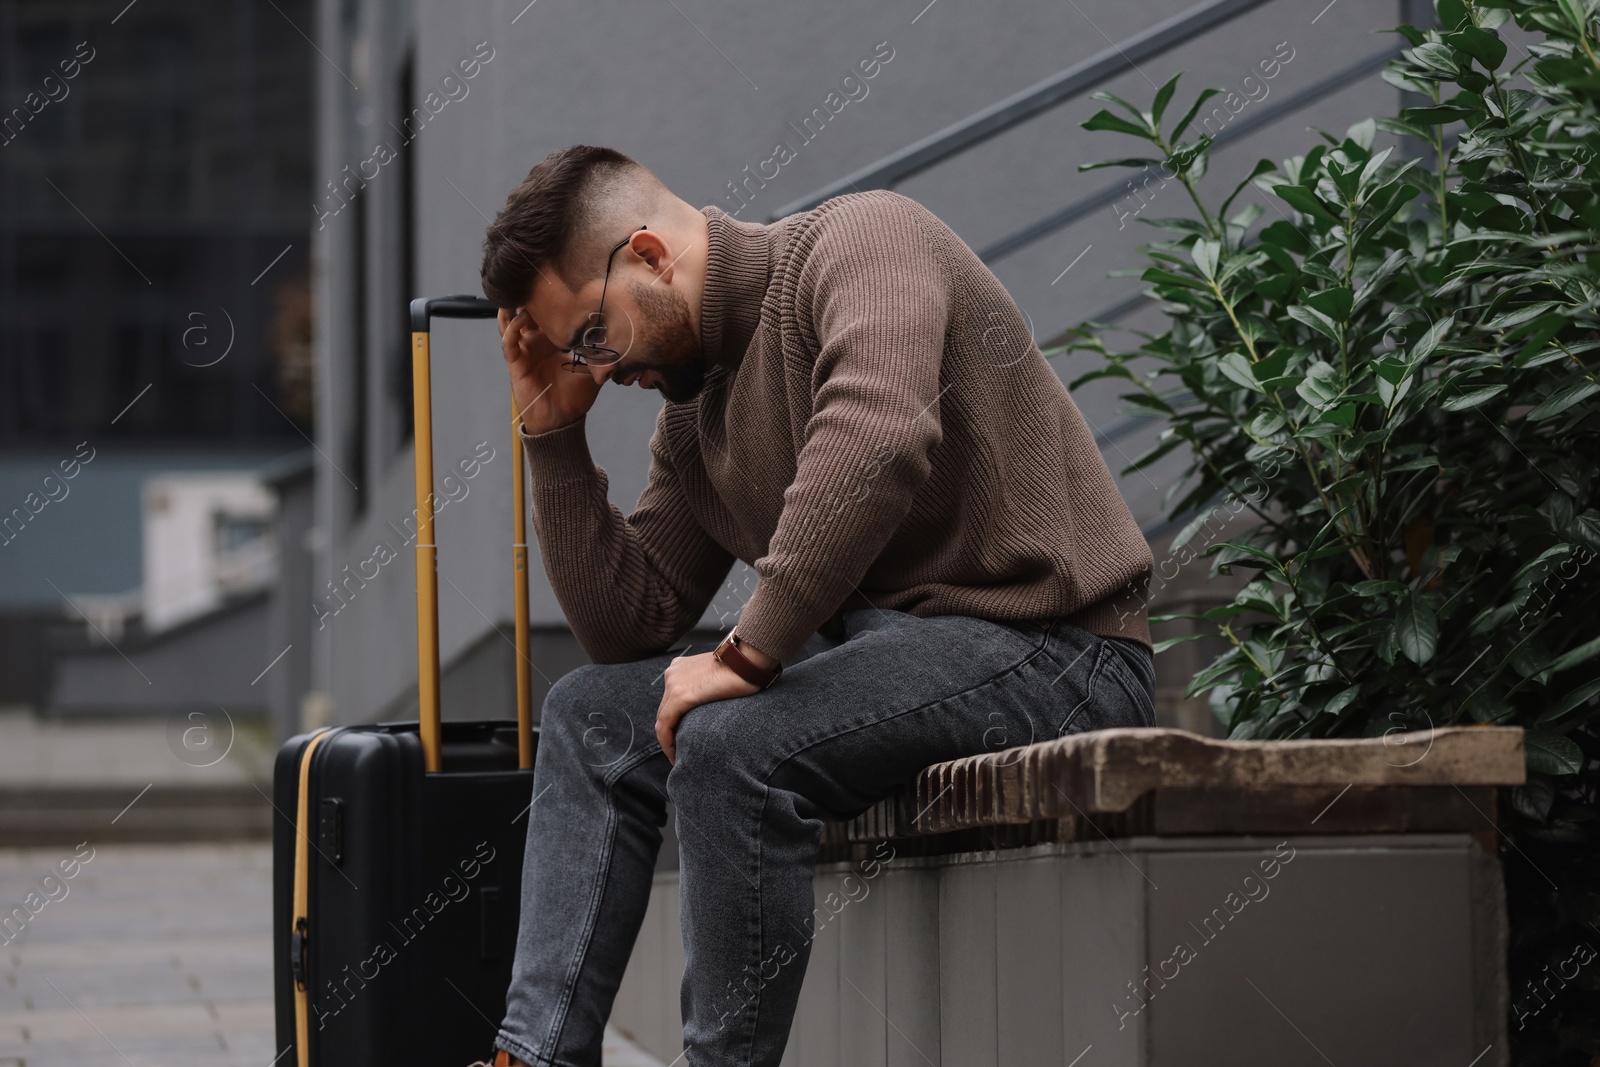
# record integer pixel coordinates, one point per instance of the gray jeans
(756, 778)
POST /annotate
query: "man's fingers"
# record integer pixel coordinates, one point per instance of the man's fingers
(666, 728)
(668, 715)
(511, 342)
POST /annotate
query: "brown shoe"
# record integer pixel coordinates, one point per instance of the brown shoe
(502, 1058)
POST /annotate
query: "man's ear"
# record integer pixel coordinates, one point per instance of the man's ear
(652, 248)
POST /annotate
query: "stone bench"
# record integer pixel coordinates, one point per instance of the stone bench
(1153, 897)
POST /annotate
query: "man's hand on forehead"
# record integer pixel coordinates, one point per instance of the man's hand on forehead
(547, 395)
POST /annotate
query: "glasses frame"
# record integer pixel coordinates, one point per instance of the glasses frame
(595, 353)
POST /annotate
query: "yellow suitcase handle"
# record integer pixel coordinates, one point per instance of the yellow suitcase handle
(423, 310)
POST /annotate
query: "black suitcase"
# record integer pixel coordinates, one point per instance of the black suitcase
(397, 848)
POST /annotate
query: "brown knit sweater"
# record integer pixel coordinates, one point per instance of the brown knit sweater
(877, 428)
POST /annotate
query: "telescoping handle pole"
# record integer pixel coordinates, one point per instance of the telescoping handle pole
(519, 592)
(423, 309)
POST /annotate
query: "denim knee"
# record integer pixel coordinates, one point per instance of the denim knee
(712, 766)
(577, 720)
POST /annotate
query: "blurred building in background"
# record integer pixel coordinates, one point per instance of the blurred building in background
(154, 343)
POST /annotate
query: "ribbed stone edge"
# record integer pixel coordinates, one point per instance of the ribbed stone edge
(1109, 770)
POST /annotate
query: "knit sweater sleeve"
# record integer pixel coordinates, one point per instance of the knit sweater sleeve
(629, 586)
(879, 297)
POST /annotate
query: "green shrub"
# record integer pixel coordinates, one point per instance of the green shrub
(1402, 363)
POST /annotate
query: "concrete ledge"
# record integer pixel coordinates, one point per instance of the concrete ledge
(36, 815)
(1383, 950)
(1440, 779)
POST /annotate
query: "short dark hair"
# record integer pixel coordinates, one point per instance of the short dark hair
(542, 218)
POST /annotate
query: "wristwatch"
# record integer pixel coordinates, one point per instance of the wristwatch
(730, 655)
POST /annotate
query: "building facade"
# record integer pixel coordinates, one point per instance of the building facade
(430, 112)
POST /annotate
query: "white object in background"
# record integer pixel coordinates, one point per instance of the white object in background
(105, 613)
(206, 537)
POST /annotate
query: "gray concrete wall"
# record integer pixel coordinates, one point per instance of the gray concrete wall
(698, 91)
(203, 665)
(1028, 957)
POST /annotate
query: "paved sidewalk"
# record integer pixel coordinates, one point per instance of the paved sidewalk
(155, 956)
(151, 955)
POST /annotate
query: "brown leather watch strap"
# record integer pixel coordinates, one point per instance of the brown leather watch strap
(730, 655)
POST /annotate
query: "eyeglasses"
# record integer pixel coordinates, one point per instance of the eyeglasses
(591, 349)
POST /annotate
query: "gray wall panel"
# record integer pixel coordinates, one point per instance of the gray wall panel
(968, 981)
(910, 897)
(1103, 918)
(1281, 979)
(1028, 961)
(864, 1032)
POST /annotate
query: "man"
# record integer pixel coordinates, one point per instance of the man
(854, 407)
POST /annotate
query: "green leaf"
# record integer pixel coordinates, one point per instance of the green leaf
(1266, 424)
(1205, 254)
(1577, 12)
(1377, 222)
(1314, 319)
(1436, 116)
(1263, 166)
(1320, 387)
(1430, 340)
(1237, 369)
(1105, 120)
(1114, 370)
(1341, 700)
(1518, 316)
(1132, 161)
(1343, 415)
(1391, 369)
(1243, 550)
(1438, 57)
(1582, 654)
(1476, 397)
(1377, 587)
(1163, 96)
(1452, 13)
(1113, 98)
(1306, 202)
(1578, 697)
(1550, 753)
(1167, 277)
(1161, 646)
(1284, 234)
(1402, 128)
(1562, 399)
(1213, 674)
(1483, 45)
(1416, 629)
(1183, 124)
(1362, 133)
(1334, 303)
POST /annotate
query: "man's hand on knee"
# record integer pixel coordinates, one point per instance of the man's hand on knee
(689, 682)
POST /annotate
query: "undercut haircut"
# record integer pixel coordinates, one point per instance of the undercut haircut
(563, 218)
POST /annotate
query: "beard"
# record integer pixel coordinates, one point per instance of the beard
(669, 343)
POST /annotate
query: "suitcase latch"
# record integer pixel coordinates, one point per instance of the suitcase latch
(330, 829)
(297, 953)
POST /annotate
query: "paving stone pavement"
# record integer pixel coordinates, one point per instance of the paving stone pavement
(156, 956)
